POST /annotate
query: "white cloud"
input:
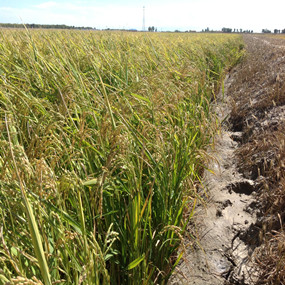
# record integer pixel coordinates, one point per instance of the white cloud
(46, 5)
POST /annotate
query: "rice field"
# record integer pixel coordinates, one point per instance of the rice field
(103, 139)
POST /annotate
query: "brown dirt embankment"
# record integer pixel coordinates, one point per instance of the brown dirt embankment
(259, 113)
(240, 231)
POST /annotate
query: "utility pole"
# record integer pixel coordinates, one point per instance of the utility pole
(143, 26)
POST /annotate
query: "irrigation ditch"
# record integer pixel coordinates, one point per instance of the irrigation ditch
(238, 231)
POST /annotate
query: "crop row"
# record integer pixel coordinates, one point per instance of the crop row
(102, 145)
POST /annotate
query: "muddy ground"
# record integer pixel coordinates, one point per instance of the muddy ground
(239, 231)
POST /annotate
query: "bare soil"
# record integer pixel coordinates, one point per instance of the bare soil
(245, 202)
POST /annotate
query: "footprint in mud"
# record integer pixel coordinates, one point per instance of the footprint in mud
(223, 205)
(244, 187)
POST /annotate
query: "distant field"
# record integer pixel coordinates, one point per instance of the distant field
(102, 146)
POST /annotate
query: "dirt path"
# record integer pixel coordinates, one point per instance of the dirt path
(223, 225)
(230, 227)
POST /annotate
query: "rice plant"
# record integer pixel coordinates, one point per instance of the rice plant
(102, 145)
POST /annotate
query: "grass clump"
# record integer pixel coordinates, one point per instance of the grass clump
(105, 134)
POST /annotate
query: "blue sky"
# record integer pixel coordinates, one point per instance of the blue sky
(163, 14)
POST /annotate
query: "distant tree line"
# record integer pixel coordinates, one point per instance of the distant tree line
(152, 29)
(276, 31)
(228, 30)
(38, 26)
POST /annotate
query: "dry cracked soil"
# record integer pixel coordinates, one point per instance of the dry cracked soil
(231, 225)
